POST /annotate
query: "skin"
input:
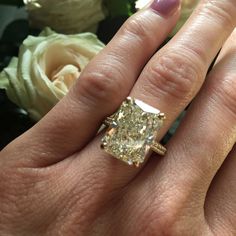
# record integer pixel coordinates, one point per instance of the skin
(55, 179)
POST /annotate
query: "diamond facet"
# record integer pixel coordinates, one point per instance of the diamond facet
(136, 128)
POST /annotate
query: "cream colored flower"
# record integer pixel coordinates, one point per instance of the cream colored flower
(66, 16)
(139, 4)
(47, 67)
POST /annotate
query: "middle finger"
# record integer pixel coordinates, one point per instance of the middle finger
(175, 74)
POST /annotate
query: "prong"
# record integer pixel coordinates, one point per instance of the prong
(103, 145)
(113, 124)
(137, 164)
(130, 163)
(162, 116)
(130, 100)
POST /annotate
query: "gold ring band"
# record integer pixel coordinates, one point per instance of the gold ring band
(159, 149)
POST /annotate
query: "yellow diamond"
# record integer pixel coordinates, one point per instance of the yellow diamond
(133, 128)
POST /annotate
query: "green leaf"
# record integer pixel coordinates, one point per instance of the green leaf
(132, 4)
(119, 8)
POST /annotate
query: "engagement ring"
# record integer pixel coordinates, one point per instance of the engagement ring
(132, 131)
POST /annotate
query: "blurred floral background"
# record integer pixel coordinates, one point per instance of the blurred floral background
(44, 46)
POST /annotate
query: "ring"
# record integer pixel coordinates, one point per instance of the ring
(132, 131)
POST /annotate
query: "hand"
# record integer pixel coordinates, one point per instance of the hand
(55, 179)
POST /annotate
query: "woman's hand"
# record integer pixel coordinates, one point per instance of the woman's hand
(55, 179)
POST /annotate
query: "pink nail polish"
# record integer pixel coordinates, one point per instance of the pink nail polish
(165, 7)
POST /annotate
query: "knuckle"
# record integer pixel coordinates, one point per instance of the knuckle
(136, 27)
(163, 214)
(220, 11)
(162, 220)
(169, 217)
(102, 85)
(174, 75)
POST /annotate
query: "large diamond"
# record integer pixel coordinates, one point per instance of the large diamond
(132, 130)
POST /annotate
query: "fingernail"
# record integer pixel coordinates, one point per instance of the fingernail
(165, 7)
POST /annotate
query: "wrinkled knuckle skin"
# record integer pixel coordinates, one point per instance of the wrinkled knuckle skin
(159, 222)
(173, 75)
(105, 85)
(169, 220)
(223, 11)
(137, 27)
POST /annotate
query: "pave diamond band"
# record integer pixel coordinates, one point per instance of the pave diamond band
(132, 131)
(159, 149)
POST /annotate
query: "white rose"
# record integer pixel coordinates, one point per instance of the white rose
(139, 4)
(66, 16)
(47, 67)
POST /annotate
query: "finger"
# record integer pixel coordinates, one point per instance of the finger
(175, 74)
(101, 88)
(200, 145)
(221, 202)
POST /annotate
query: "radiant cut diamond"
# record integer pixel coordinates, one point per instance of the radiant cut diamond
(135, 129)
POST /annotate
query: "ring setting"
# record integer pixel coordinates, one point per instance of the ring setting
(132, 131)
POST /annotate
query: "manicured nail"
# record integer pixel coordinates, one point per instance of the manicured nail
(165, 7)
